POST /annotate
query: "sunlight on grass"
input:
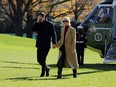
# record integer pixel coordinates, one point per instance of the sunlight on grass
(19, 68)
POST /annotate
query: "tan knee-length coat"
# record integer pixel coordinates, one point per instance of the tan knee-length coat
(70, 47)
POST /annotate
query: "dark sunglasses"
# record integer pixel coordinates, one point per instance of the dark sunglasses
(65, 21)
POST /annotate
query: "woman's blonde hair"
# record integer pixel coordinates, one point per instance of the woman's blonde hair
(66, 19)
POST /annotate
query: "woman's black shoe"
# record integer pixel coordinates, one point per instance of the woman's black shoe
(47, 71)
(74, 73)
(59, 76)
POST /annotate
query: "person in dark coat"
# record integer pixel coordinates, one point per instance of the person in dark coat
(45, 34)
(81, 43)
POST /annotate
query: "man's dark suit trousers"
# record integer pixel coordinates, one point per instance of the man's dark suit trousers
(41, 56)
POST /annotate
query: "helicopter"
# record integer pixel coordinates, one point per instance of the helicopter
(101, 30)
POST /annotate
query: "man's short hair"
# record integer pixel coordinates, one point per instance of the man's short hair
(41, 14)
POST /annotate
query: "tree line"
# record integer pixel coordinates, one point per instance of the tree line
(20, 14)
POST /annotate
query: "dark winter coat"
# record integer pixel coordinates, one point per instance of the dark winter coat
(45, 34)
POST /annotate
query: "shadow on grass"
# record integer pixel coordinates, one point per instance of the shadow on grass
(94, 69)
(18, 67)
(52, 77)
(19, 62)
(33, 78)
(103, 67)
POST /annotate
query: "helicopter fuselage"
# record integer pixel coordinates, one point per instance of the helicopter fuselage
(99, 28)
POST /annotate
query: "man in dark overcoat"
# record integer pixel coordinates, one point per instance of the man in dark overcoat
(45, 35)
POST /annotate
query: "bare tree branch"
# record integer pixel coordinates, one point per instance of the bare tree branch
(12, 6)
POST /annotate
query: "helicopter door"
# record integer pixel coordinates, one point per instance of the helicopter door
(99, 26)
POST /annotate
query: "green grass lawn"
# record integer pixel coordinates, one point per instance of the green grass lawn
(19, 68)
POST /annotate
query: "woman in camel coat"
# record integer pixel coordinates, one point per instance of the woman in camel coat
(67, 48)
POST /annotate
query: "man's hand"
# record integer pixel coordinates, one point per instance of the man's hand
(54, 46)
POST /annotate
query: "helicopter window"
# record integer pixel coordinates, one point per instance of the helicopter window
(94, 16)
(102, 15)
